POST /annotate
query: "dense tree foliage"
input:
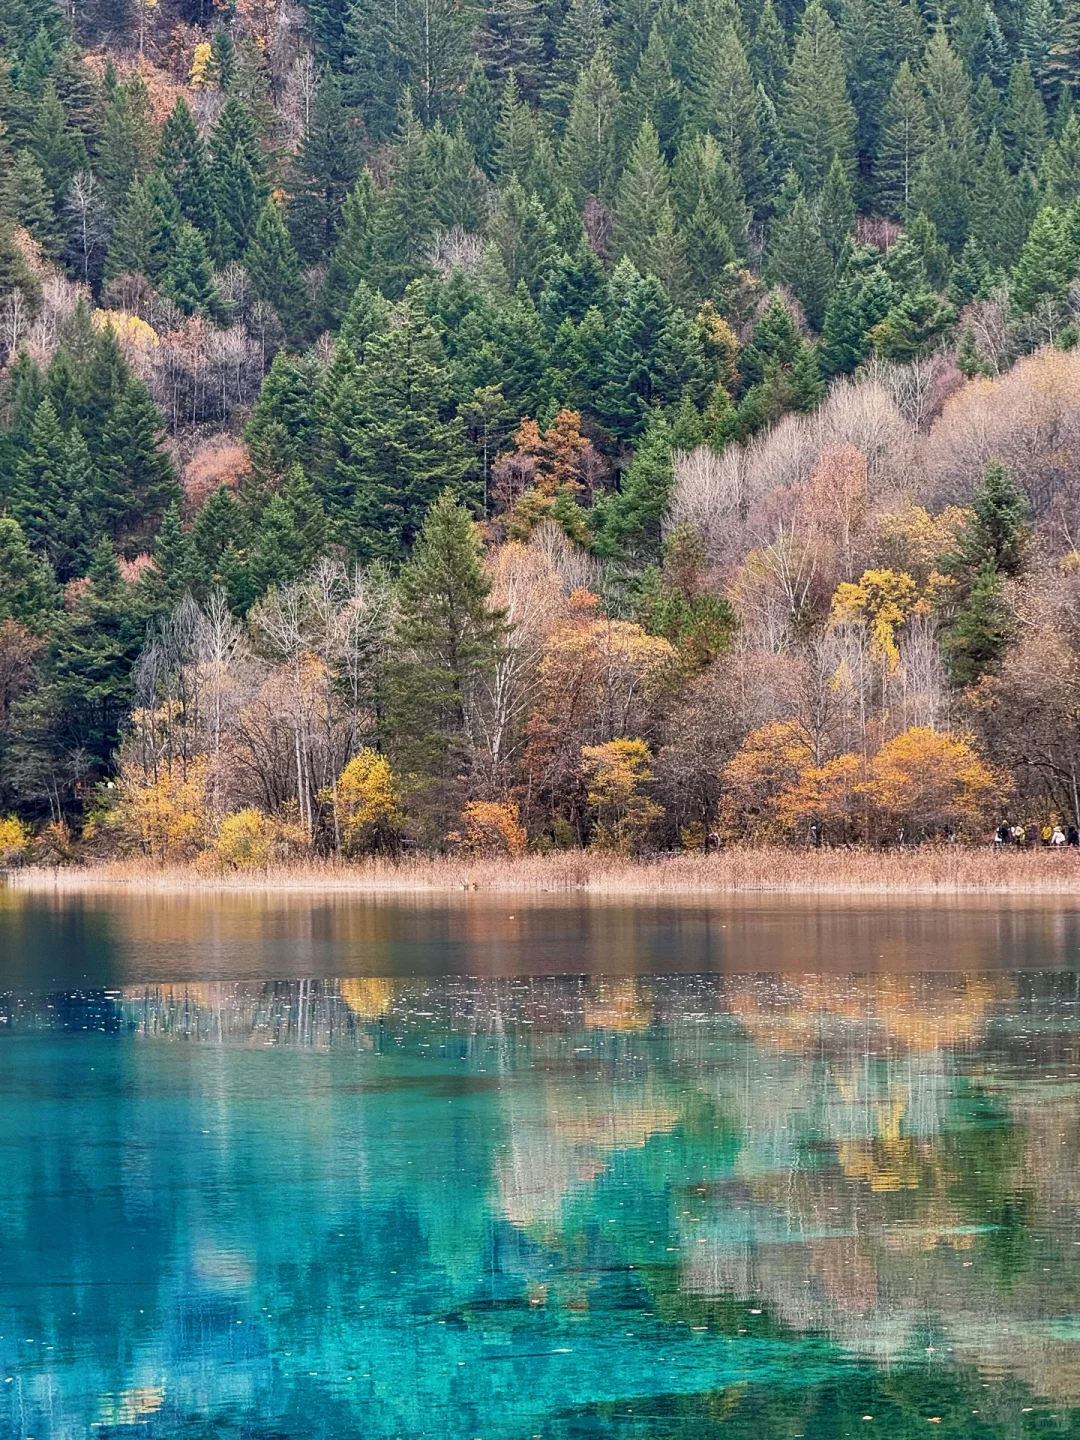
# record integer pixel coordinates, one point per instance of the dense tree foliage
(284, 293)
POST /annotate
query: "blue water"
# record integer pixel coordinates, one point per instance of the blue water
(510, 1172)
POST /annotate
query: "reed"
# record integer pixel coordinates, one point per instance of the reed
(925, 871)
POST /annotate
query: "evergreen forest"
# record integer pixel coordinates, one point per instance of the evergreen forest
(636, 424)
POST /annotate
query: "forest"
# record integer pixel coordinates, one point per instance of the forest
(640, 425)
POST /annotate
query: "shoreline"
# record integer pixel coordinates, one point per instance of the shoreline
(945, 871)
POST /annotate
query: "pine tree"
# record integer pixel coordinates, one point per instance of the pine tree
(404, 452)
(183, 160)
(817, 115)
(403, 219)
(308, 515)
(769, 57)
(274, 268)
(446, 639)
(135, 460)
(128, 140)
(278, 551)
(644, 195)
(904, 138)
(326, 169)
(189, 276)
(800, 259)
(728, 104)
(281, 431)
(511, 42)
(588, 152)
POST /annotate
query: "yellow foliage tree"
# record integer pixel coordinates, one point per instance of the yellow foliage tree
(493, 827)
(828, 794)
(925, 780)
(769, 762)
(882, 600)
(200, 75)
(164, 815)
(14, 840)
(366, 803)
(616, 772)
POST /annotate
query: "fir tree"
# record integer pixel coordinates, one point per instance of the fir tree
(644, 195)
(476, 117)
(176, 570)
(27, 590)
(135, 460)
(278, 554)
(655, 95)
(1063, 60)
(352, 257)
(1025, 119)
(629, 521)
(446, 639)
(769, 57)
(274, 267)
(817, 115)
(904, 138)
(836, 209)
(183, 160)
(1059, 172)
(799, 258)
(589, 145)
(326, 169)
(189, 276)
(998, 224)
(1046, 264)
(579, 38)
(58, 149)
(25, 200)
(38, 501)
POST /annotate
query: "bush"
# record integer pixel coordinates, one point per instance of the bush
(14, 841)
(245, 841)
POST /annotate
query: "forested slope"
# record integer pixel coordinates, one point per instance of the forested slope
(737, 340)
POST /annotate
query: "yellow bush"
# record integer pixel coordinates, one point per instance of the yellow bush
(366, 803)
(245, 840)
(14, 840)
(165, 816)
(494, 827)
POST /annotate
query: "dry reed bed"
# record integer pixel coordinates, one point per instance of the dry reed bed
(927, 871)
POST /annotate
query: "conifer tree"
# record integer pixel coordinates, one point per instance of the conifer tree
(404, 452)
(629, 521)
(278, 555)
(1059, 172)
(644, 195)
(1063, 60)
(352, 256)
(25, 200)
(588, 152)
(27, 590)
(769, 57)
(183, 160)
(326, 169)
(656, 95)
(1025, 114)
(38, 500)
(274, 267)
(580, 36)
(446, 639)
(176, 570)
(998, 224)
(134, 459)
(476, 117)
(728, 104)
(904, 138)
(219, 524)
(127, 143)
(799, 258)
(816, 113)
(58, 148)
(403, 219)
(511, 42)
(1046, 264)
(836, 209)
(189, 276)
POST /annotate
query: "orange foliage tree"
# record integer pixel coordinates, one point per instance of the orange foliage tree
(924, 780)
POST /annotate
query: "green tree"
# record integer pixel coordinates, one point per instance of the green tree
(446, 641)
(27, 590)
(589, 146)
(135, 461)
(799, 258)
(176, 570)
(326, 168)
(58, 148)
(1046, 265)
(644, 196)
(184, 161)
(904, 138)
(189, 276)
(628, 523)
(817, 115)
(274, 267)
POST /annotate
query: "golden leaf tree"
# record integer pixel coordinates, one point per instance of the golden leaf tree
(616, 773)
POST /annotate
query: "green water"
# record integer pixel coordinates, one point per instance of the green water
(489, 1169)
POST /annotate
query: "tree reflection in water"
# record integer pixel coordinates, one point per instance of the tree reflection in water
(754, 1205)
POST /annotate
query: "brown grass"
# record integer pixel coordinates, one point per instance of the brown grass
(949, 870)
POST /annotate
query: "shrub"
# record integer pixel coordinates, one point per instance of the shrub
(14, 840)
(494, 827)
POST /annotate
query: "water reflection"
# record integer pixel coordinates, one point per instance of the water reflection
(505, 1207)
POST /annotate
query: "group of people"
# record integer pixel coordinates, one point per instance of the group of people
(1030, 835)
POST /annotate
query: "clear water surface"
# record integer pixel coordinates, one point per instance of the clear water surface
(296, 1168)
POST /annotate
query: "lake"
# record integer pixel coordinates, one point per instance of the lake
(488, 1168)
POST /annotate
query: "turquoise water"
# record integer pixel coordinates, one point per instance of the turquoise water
(484, 1171)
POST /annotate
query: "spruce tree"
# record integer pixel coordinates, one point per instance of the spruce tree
(1025, 119)
(816, 113)
(1059, 172)
(176, 570)
(769, 57)
(903, 142)
(728, 104)
(27, 590)
(446, 640)
(1046, 264)
(58, 148)
(476, 117)
(326, 169)
(25, 200)
(352, 256)
(629, 521)
(184, 161)
(38, 500)
(836, 209)
(278, 551)
(274, 267)
(580, 36)
(997, 220)
(656, 95)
